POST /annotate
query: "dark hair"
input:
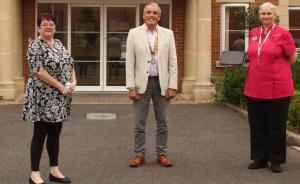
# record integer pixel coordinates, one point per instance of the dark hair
(46, 16)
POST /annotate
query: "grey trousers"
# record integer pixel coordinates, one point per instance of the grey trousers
(141, 108)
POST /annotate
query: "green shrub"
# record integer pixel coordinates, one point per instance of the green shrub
(296, 74)
(294, 113)
(230, 87)
(234, 81)
(218, 82)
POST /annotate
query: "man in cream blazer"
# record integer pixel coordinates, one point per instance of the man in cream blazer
(151, 73)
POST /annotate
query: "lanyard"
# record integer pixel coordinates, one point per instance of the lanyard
(261, 44)
(153, 50)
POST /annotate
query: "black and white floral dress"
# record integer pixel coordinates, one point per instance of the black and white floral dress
(42, 101)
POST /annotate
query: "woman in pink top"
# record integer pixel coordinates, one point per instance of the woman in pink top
(268, 89)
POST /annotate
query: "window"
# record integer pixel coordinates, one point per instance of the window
(294, 14)
(233, 36)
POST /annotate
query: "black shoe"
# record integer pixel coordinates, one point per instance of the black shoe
(276, 168)
(32, 182)
(257, 165)
(59, 180)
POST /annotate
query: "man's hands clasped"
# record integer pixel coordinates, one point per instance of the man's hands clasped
(134, 95)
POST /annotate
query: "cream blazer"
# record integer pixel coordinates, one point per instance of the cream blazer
(138, 57)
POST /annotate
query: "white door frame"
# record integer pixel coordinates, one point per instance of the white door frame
(90, 88)
(112, 88)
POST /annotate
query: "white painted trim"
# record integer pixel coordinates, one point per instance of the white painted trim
(104, 48)
(115, 88)
(294, 8)
(102, 39)
(88, 88)
(99, 88)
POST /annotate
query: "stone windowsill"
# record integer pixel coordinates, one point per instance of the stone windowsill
(218, 65)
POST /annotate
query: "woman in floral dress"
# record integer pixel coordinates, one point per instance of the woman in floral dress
(48, 96)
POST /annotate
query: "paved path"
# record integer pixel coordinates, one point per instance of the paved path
(103, 98)
(209, 144)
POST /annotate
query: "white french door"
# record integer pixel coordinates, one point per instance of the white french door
(95, 32)
(118, 20)
(98, 45)
(86, 35)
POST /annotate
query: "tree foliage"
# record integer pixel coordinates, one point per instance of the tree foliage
(247, 19)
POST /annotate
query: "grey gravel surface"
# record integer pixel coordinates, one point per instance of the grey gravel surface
(209, 144)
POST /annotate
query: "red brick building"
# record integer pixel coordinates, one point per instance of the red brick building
(202, 29)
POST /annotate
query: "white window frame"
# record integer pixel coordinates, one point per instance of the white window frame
(223, 24)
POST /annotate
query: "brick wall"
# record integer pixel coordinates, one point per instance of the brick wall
(177, 27)
(216, 37)
(28, 30)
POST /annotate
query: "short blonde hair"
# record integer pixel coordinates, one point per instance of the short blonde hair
(153, 4)
(267, 5)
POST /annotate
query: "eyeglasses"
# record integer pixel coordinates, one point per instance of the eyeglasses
(266, 13)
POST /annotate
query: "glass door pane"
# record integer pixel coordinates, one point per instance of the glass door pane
(85, 44)
(61, 13)
(119, 20)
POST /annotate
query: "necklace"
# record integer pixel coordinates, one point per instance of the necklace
(153, 50)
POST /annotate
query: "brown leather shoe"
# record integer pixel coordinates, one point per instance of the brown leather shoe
(164, 160)
(137, 161)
